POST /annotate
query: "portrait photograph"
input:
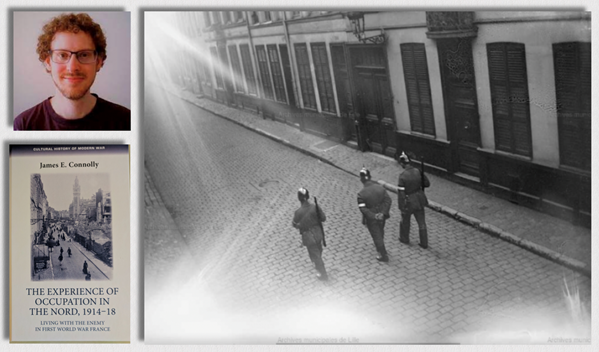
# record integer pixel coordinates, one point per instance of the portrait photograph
(52, 90)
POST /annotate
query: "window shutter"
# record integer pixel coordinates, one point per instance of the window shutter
(264, 72)
(289, 81)
(216, 67)
(236, 65)
(585, 103)
(277, 74)
(407, 55)
(424, 89)
(341, 78)
(518, 83)
(500, 96)
(248, 69)
(572, 63)
(509, 95)
(224, 60)
(323, 77)
(418, 87)
(305, 75)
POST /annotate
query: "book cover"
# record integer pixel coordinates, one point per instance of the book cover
(69, 243)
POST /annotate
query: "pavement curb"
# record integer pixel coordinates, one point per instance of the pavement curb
(505, 236)
(490, 229)
(266, 134)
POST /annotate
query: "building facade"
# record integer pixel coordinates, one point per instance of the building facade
(494, 99)
(38, 205)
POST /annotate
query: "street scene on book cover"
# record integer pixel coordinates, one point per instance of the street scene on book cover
(69, 243)
(71, 235)
(349, 176)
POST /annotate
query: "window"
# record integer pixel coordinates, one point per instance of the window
(289, 82)
(323, 77)
(254, 17)
(207, 73)
(305, 76)
(224, 66)
(267, 17)
(207, 19)
(216, 67)
(215, 17)
(197, 20)
(238, 16)
(509, 95)
(236, 65)
(248, 69)
(415, 68)
(264, 72)
(572, 64)
(277, 74)
(341, 78)
(226, 17)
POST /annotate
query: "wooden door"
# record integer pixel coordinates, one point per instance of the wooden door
(373, 98)
(461, 108)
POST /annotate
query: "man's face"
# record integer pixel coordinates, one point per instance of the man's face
(73, 79)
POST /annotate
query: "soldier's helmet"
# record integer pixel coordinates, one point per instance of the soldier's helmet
(365, 174)
(303, 194)
(404, 158)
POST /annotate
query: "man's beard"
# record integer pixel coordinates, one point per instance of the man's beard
(72, 93)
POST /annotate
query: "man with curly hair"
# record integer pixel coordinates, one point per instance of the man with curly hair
(72, 49)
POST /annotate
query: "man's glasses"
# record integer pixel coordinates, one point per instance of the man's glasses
(64, 56)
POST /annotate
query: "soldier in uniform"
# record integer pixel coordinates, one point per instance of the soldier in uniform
(374, 203)
(308, 220)
(411, 199)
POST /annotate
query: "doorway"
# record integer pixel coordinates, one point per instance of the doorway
(373, 98)
(461, 107)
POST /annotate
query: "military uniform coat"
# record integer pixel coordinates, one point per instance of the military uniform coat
(373, 199)
(306, 220)
(411, 198)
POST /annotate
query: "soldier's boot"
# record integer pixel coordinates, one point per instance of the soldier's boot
(423, 238)
(404, 232)
(382, 258)
(382, 254)
(321, 274)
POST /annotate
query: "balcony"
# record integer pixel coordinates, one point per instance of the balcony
(450, 24)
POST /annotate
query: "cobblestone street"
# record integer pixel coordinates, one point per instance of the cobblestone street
(71, 266)
(226, 265)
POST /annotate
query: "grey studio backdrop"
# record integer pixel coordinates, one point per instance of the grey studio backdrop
(31, 83)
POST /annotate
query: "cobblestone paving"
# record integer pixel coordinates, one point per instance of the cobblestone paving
(560, 237)
(166, 254)
(232, 193)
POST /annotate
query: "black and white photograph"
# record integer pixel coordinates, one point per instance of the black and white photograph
(347, 176)
(71, 232)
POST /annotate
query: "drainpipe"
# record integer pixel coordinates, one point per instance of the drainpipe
(255, 65)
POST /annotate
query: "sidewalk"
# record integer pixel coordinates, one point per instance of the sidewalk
(550, 237)
(95, 263)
